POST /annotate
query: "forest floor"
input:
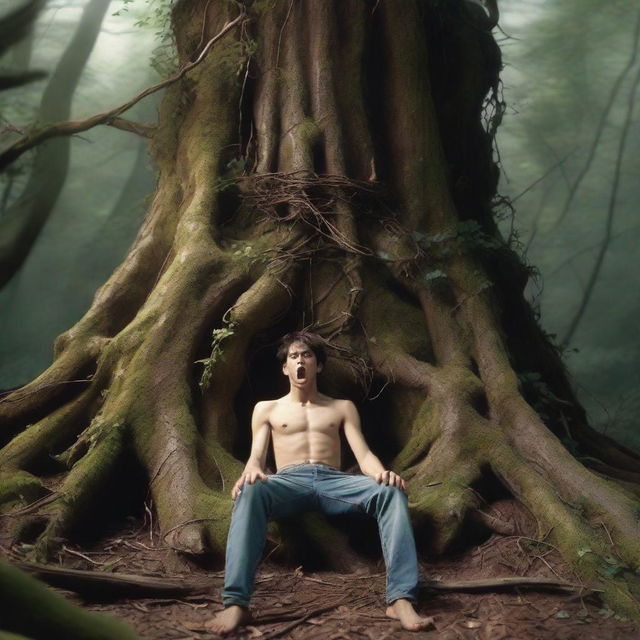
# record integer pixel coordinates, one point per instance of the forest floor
(291, 603)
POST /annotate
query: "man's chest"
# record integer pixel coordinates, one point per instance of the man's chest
(312, 419)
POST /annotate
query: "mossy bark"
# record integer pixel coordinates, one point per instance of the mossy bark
(327, 166)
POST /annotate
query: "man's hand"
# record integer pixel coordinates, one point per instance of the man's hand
(391, 479)
(251, 476)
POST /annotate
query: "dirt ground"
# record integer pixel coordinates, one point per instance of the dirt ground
(290, 603)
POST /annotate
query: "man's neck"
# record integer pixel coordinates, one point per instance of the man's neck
(303, 395)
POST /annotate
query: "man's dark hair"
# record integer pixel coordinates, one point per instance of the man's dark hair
(312, 340)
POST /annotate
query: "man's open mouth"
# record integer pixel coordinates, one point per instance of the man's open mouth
(300, 373)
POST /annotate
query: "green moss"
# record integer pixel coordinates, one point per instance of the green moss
(309, 130)
(402, 324)
(219, 469)
(215, 508)
(77, 494)
(259, 7)
(165, 139)
(405, 404)
(6, 635)
(619, 586)
(29, 607)
(424, 430)
(34, 445)
(19, 487)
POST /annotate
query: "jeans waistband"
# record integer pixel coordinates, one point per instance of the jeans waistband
(307, 463)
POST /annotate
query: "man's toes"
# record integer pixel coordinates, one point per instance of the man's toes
(424, 623)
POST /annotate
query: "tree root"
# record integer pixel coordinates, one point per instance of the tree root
(256, 309)
(66, 376)
(99, 585)
(43, 438)
(76, 495)
(19, 487)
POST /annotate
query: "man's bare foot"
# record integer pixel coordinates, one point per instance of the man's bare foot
(403, 611)
(228, 619)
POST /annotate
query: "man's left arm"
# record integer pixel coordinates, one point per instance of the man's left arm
(369, 463)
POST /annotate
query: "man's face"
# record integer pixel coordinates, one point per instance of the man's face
(301, 366)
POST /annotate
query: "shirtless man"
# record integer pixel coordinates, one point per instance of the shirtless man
(305, 428)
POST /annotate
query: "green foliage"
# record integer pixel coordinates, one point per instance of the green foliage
(485, 284)
(536, 388)
(235, 169)
(245, 250)
(435, 275)
(96, 432)
(467, 234)
(234, 57)
(613, 568)
(218, 336)
(262, 6)
(472, 234)
(157, 15)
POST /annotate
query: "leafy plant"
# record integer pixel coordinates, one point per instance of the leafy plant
(218, 336)
(157, 15)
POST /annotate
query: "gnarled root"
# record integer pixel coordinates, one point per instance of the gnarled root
(75, 498)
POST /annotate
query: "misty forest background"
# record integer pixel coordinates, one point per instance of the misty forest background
(568, 144)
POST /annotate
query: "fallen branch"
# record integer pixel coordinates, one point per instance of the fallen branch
(96, 585)
(57, 129)
(498, 584)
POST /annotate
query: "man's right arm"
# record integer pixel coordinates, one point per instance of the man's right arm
(261, 431)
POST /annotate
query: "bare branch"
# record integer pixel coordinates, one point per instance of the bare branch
(606, 240)
(139, 128)
(16, 24)
(601, 125)
(57, 129)
(553, 167)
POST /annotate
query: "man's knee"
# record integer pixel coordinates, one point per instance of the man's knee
(255, 492)
(389, 494)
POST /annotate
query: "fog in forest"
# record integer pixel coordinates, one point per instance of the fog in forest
(568, 149)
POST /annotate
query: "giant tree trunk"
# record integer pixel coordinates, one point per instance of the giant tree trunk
(326, 166)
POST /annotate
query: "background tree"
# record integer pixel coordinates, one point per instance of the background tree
(569, 161)
(325, 166)
(16, 29)
(79, 245)
(23, 220)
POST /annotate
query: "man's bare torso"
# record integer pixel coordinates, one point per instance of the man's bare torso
(305, 432)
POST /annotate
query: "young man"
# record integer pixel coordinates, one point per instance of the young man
(305, 429)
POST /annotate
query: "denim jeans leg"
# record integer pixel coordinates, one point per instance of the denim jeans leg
(254, 507)
(390, 508)
(341, 492)
(245, 542)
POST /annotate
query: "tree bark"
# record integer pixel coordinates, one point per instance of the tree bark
(326, 166)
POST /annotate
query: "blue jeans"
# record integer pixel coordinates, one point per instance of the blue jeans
(317, 487)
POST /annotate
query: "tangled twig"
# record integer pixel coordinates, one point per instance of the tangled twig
(310, 198)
